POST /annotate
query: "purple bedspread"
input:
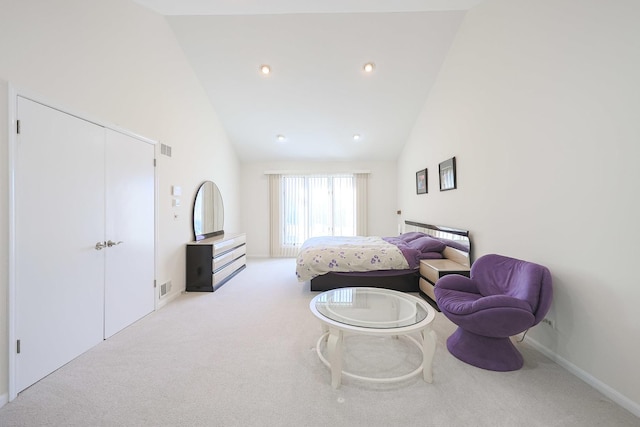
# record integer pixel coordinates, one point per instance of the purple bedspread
(414, 254)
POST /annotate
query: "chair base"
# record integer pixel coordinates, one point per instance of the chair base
(494, 354)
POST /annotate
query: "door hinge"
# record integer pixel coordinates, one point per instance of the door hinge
(154, 283)
(18, 346)
(18, 127)
(154, 163)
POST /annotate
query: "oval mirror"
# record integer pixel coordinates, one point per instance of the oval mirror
(208, 212)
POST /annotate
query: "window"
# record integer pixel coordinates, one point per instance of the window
(304, 206)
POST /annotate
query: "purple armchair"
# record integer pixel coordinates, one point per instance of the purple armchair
(503, 297)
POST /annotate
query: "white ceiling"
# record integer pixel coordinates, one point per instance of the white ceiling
(317, 94)
(270, 7)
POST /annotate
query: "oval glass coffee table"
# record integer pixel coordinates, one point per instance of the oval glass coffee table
(373, 311)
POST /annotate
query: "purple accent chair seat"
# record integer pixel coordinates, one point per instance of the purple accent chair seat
(503, 297)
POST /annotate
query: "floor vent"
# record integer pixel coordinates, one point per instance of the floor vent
(165, 288)
(165, 149)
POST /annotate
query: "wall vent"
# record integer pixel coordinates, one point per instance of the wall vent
(165, 288)
(165, 149)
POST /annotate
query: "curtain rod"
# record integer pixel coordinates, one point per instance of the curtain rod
(295, 172)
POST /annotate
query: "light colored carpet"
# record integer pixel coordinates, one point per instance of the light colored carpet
(245, 356)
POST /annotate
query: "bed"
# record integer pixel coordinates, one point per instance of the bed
(385, 262)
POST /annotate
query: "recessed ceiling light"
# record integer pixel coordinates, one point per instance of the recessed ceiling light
(281, 138)
(265, 69)
(368, 67)
(356, 137)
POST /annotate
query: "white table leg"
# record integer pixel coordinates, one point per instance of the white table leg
(334, 349)
(428, 351)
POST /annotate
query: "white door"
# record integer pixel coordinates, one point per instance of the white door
(129, 288)
(59, 216)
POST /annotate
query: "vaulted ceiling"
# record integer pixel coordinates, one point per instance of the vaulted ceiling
(317, 95)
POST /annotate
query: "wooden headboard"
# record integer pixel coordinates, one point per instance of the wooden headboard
(458, 242)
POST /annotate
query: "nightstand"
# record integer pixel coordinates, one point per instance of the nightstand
(433, 269)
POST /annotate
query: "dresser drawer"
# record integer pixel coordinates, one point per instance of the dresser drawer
(229, 243)
(434, 269)
(428, 273)
(221, 275)
(213, 261)
(427, 288)
(219, 261)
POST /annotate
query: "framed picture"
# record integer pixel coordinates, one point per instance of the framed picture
(421, 182)
(447, 171)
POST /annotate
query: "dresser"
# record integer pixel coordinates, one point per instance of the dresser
(212, 262)
(433, 269)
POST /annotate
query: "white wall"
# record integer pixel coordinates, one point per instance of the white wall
(255, 199)
(119, 63)
(539, 101)
(4, 247)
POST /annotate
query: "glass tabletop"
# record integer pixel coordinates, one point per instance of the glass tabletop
(371, 307)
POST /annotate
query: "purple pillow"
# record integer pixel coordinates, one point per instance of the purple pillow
(429, 255)
(427, 244)
(412, 235)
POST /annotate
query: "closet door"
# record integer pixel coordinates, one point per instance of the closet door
(60, 217)
(129, 289)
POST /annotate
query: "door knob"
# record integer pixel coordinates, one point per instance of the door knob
(112, 243)
(100, 246)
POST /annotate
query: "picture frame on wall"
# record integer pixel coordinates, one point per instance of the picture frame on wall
(421, 182)
(447, 173)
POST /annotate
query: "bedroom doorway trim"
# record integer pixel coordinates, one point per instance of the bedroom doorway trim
(53, 109)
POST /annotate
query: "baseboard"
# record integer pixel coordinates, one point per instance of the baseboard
(4, 399)
(603, 388)
(167, 299)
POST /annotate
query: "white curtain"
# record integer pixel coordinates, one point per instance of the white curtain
(303, 206)
(362, 201)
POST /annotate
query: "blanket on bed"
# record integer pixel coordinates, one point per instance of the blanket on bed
(320, 255)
